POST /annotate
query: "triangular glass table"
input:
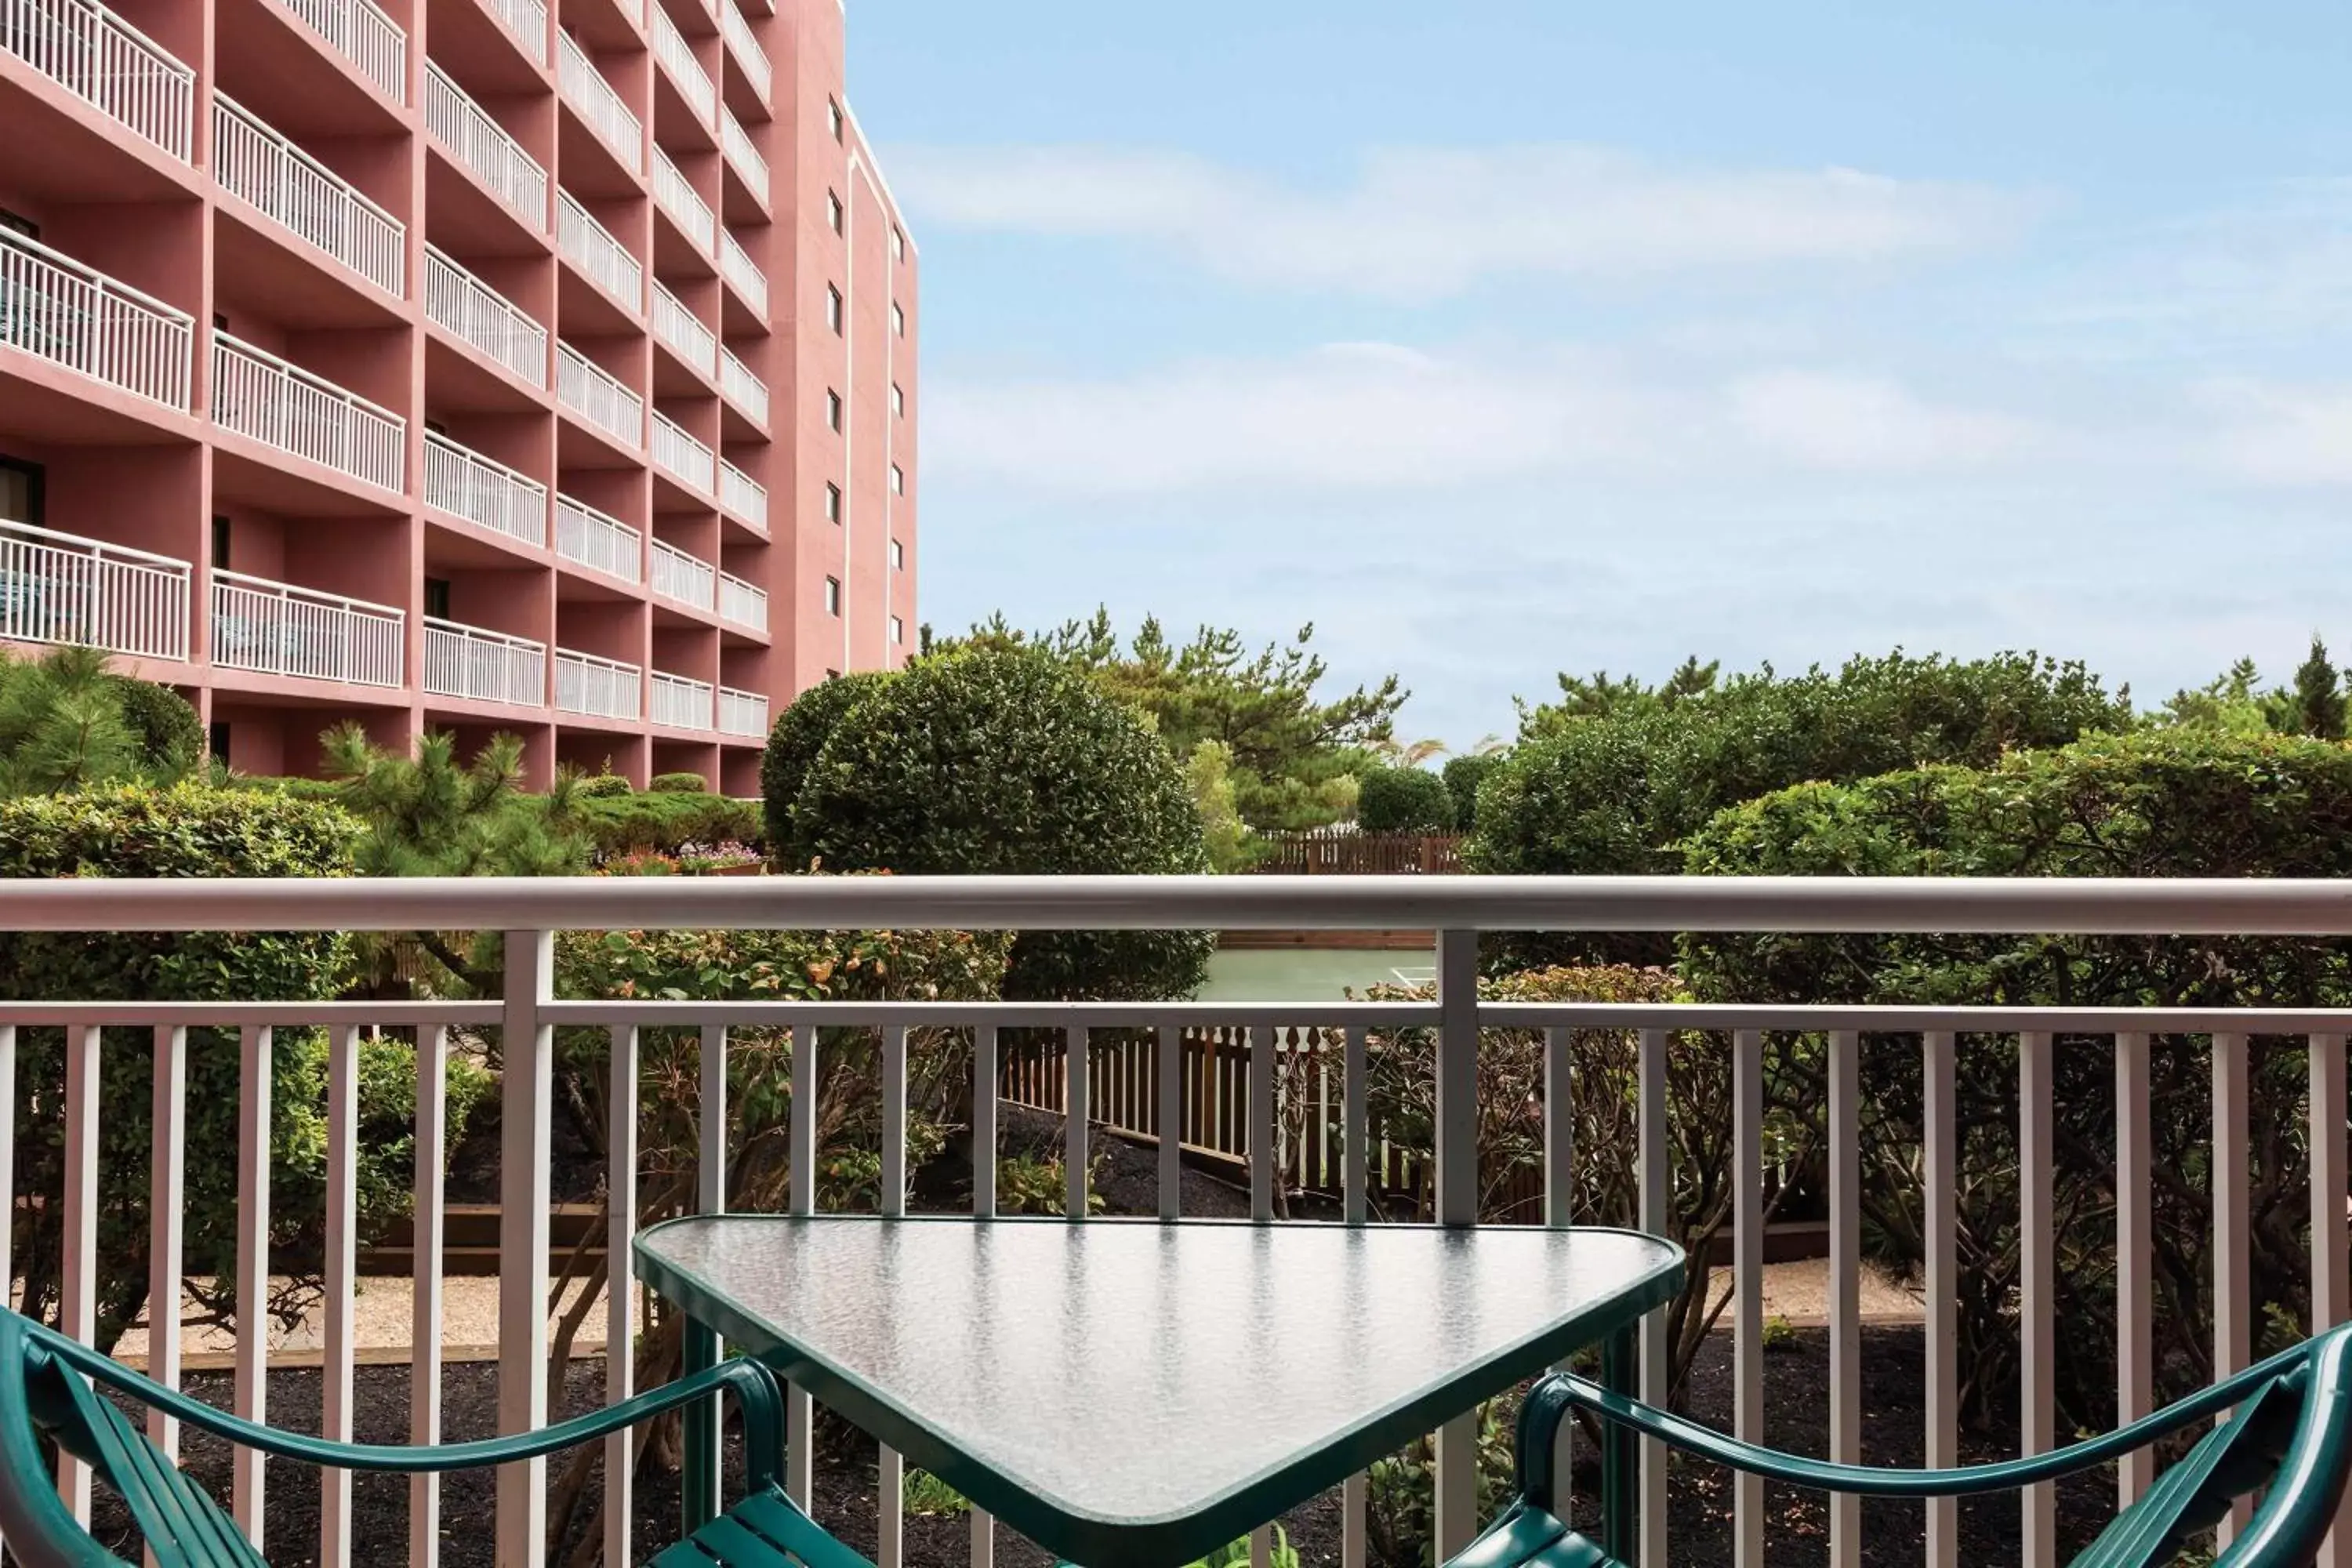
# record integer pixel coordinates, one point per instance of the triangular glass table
(1134, 1394)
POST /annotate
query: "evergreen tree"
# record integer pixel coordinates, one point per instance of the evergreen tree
(2315, 706)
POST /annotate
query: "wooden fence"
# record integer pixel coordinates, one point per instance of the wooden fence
(1324, 850)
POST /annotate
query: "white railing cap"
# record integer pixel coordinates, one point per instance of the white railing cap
(177, 67)
(589, 512)
(222, 576)
(482, 634)
(598, 660)
(98, 547)
(477, 459)
(83, 269)
(222, 340)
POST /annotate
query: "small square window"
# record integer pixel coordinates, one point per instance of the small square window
(898, 631)
(897, 400)
(833, 311)
(834, 214)
(833, 412)
(898, 480)
(832, 503)
(897, 243)
(898, 319)
(832, 595)
(898, 556)
(835, 118)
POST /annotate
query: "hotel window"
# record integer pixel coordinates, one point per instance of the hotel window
(897, 243)
(221, 531)
(833, 216)
(216, 739)
(832, 595)
(898, 480)
(897, 630)
(436, 598)
(833, 117)
(20, 492)
(897, 400)
(833, 412)
(898, 556)
(897, 320)
(832, 503)
(833, 309)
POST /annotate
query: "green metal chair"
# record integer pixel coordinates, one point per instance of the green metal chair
(2289, 1435)
(49, 1390)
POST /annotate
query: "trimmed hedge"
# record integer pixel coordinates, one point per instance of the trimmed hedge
(800, 734)
(169, 734)
(1462, 777)
(1403, 800)
(666, 823)
(602, 787)
(679, 783)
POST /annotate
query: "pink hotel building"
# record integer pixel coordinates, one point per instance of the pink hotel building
(535, 365)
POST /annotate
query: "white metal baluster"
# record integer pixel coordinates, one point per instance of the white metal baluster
(2331, 1236)
(429, 1233)
(1656, 1210)
(800, 1411)
(1075, 1109)
(1559, 1156)
(336, 1372)
(1355, 1096)
(1748, 1285)
(166, 1195)
(524, 1151)
(252, 1379)
(1941, 1158)
(2232, 1284)
(2135, 1264)
(620, 1286)
(77, 1309)
(891, 1481)
(710, 1197)
(1845, 1289)
(984, 1206)
(1458, 1204)
(2037, 1304)
(1171, 1121)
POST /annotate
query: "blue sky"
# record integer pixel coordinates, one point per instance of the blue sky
(1501, 337)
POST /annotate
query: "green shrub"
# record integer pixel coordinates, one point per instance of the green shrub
(162, 724)
(800, 734)
(602, 787)
(1009, 761)
(666, 824)
(679, 783)
(1462, 776)
(1403, 800)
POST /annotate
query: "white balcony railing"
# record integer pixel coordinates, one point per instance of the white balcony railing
(743, 604)
(681, 456)
(54, 308)
(602, 543)
(678, 198)
(107, 63)
(599, 106)
(363, 35)
(679, 328)
(62, 588)
(742, 712)
(464, 484)
(480, 666)
(680, 703)
(596, 396)
(456, 300)
(281, 405)
(599, 688)
(482, 147)
(741, 496)
(736, 144)
(689, 579)
(745, 391)
(745, 48)
(276, 628)
(677, 56)
(525, 22)
(601, 258)
(736, 266)
(261, 167)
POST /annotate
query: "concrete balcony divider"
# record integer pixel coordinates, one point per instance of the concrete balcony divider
(745, 391)
(736, 266)
(456, 300)
(264, 169)
(682, 457)
(54, 308)
(741, 496)
(744, 604)
(689, 579)
(464, 484)
(745, 48)
(737, 146)
(481, 145)
(602, 260)
(596, 396)
(742, 712)
(257, 395)
(276, 628)
(679, 328)
(604, 544)
(583, 87)
(599, 688)
(677, 56)
(525, 22)
(363, 35)
(480, 666)
(682, 704)
(678, 198)
(108, 64)
(62, 588)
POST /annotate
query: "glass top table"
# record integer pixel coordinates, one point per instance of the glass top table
(1140, 1393)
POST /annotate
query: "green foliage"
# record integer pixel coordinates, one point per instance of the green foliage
(2230, 704)
(667, 824)
(600, 786)
(1025, 1184)
(1401, 1492)
(61, 725)
(1602, 696)
(926, 1496)
(1236, 1554)
(1462, 777)
(1404, 800)
(2315, 703)
(800, 734)
(1208, 774)
(163, 727)
(428, 816)
(679, 783)
(1007, 761)
(1780, 1335)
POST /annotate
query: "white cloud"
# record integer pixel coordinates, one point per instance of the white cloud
(2275, 434)
(1869, 424)
(1433, 222)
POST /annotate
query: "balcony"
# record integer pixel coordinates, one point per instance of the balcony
(276, 628)
(682, 457)
(481, 146)
(689, 579)
(684, 333)
(596, 396)
(108, 64)
(743, 713)
(461, 303)
(745, 48)
(74, 317)
(464, 484)
(525, 22)
(363, 35)
(736, 266)
(600, 542)
(681, 704)
(601, 258)
(676, 58)
(747, 391)
(742, 602)
(743, 498)
(310, 200)
(62, 588)
(592, 98)
(477, 665)
(597, 687)
(736, 145)
(680, 199)
(280, 405)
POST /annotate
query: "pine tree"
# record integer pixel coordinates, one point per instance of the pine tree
(2316, 705)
